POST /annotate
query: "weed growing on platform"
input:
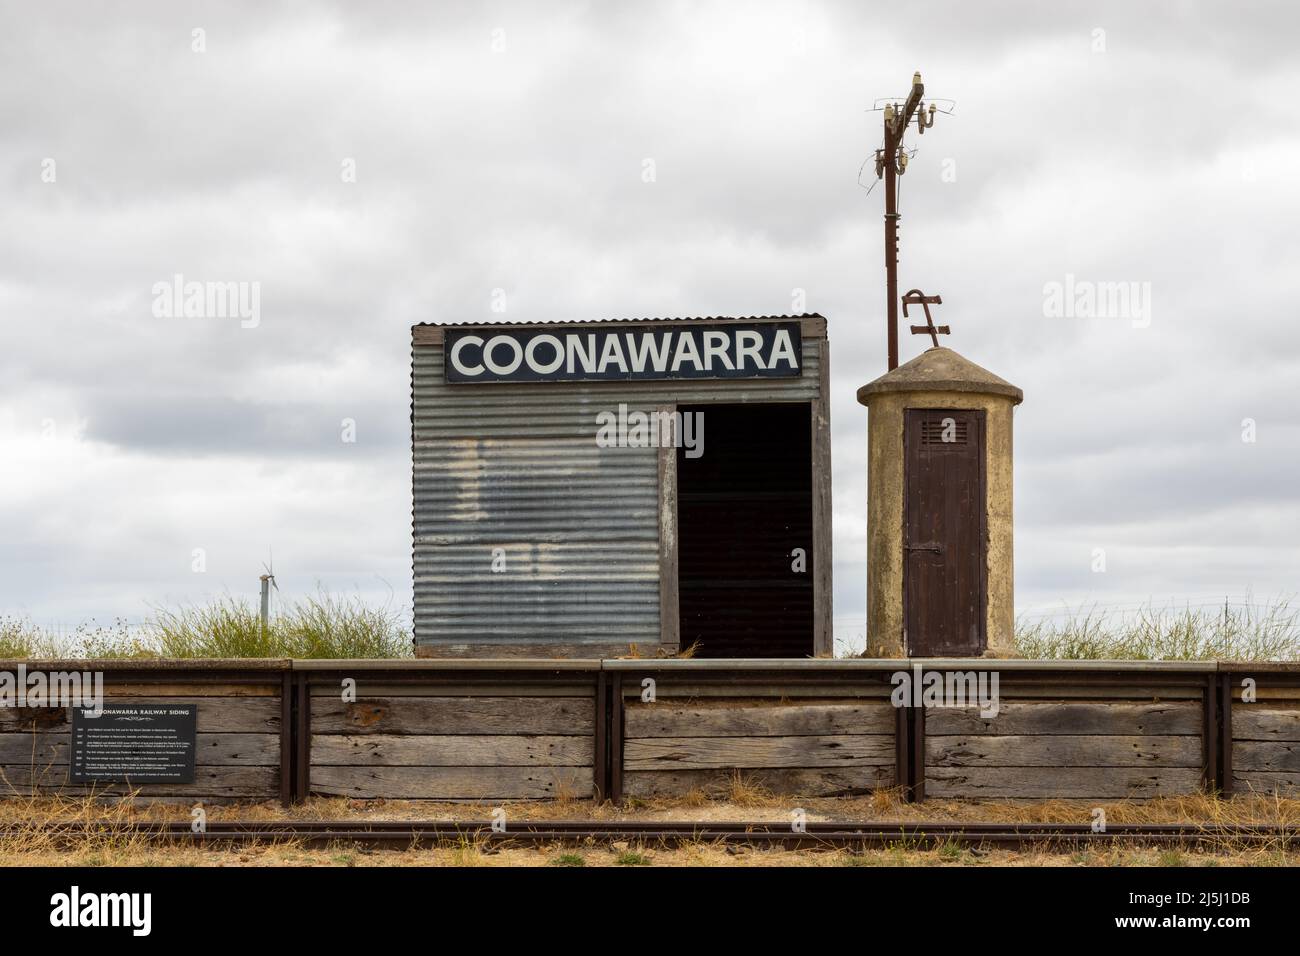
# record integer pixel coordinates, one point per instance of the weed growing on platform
(1259, 632)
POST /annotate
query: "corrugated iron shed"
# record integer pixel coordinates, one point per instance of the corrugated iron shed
(529, 538)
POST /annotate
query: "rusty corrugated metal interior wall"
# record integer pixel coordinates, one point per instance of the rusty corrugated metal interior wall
(744, 507)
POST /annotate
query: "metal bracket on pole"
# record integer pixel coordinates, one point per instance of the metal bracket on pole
(917, 297)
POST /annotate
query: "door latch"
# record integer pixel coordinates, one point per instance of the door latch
(936, 548)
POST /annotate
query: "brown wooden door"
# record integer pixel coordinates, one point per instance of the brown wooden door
(944, 532)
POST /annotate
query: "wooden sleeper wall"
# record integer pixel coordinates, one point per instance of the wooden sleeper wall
(238, 736)
(1265, 740)
(447, 742)
(439, 734)
(1038, 749)
(811, 747)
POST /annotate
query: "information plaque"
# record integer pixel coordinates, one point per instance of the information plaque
(134, 743)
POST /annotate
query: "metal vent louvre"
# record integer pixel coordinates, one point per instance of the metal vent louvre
(933, 431)
(516, 467)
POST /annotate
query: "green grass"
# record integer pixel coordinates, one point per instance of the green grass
(950, 851)
(20, 639)
(330, 626)
(861, 859)
(632, 858)
(568, 859)
(321, 626)
(1252, 632)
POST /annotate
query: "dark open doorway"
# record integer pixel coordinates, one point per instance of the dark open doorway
(743, 508)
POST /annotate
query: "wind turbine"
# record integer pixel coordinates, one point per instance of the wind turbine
(267, 579)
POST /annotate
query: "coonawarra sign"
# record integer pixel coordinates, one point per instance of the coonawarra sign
(734, 350)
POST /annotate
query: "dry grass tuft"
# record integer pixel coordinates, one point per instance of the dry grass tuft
(111, 841)
(746, 791)
(1249, 631)
(888, 801)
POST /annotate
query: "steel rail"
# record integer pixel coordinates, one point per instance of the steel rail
(920, 835)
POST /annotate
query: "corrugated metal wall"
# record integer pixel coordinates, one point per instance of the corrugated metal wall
(516, 467)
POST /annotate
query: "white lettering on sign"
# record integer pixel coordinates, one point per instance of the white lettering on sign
(764, 350)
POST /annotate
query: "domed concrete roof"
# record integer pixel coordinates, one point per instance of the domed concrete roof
(940, 370)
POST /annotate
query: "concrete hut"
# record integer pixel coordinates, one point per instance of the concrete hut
(939, 509)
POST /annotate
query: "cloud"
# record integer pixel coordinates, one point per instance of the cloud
(503, 146)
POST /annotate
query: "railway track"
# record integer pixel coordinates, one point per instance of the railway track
(409, 834)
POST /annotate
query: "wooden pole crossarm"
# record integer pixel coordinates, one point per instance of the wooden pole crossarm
(912, 102)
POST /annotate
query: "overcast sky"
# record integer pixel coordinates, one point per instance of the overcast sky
(505, 146)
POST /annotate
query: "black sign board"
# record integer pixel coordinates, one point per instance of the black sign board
(136, 743)
(681, 351)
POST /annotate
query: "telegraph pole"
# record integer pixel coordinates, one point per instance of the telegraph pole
(891, 162)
